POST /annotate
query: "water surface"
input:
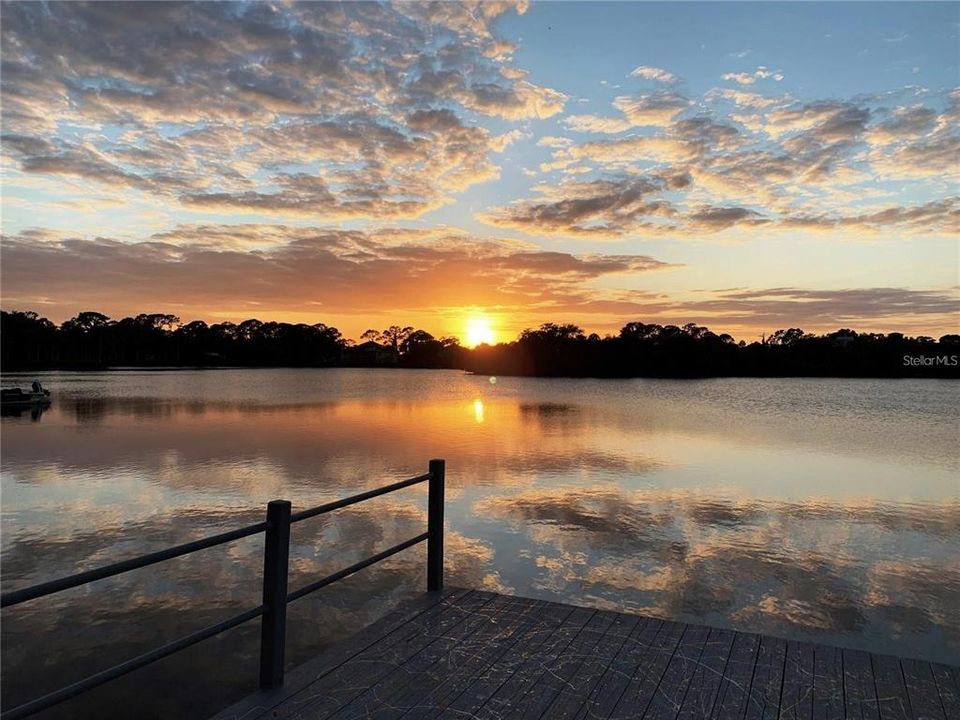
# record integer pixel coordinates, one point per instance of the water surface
(818, 509)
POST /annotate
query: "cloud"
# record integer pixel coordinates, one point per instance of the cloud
(652, 73)
(600, 208)
(749, 78)
(743, 98)
(862, 308)
(276, 268)
(554, 142)
(937, 217)
(325, 111)
(597, 124)
(652, 108)
(648, 109)
(773, 163)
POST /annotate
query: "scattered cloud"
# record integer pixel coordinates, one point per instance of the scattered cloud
(653, 73)
(771, 163)
(656, 108)
(323, 111)
(749, 78)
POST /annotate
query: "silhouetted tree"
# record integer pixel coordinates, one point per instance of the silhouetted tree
(392, 336)
(639, 349)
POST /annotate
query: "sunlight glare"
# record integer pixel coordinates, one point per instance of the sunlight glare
(478, 411)
(479, 331)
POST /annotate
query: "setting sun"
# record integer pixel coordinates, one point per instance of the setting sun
(479, 331)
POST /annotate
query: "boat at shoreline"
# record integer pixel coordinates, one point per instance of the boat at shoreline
(15, 397)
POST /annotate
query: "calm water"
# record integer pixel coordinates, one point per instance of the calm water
(815, 509)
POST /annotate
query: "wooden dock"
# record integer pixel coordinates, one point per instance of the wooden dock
(460, 654)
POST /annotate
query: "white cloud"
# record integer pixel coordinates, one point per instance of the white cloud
(653, 73)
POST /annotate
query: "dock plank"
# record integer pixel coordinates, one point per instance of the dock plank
(649, 671)
(828, 701)
(766, 688)
(590, 674)
(468, 662)
(505, 701)
(891, 691)
(947, 689)
(420, 671)
(705, 683)
(672, 687)
(733, 695)
(484, 656)
(365, 670)
(464, 662)
(618, 674)
(262, 702)
(796, 698)
(859, 687)
(922, 690)
(486, 685)
(563, 671)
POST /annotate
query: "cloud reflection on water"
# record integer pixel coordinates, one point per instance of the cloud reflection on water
(777, 506)
(823, 571)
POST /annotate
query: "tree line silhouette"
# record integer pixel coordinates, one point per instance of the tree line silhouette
(93, 340)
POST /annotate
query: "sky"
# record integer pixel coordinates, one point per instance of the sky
(748, 166)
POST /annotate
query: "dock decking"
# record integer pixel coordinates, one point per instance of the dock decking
(471, 654)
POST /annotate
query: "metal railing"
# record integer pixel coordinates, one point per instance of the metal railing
(273, 609)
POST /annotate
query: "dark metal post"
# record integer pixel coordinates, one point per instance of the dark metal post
(435, 526)
(273, 626)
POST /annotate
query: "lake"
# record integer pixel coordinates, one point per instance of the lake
(817, 509)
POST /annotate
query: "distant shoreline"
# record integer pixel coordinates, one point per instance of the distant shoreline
(92, 341)
(919, 373)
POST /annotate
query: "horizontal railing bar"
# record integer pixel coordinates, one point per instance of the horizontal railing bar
(307, 589)
(42, 703)
(53, 586)
(336, 505)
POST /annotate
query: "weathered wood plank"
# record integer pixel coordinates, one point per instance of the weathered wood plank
(597, 663)
(705, 683)
(733, 694)
(387, 627)
(767, 685)
(828, 701)
(421, 670)
(669, 694)
(947, 689)
(465, 660)
(891, 691)
(922, 690)
(648, 672)
(859, 688)
(620, 671)
(563, 671)
(469, 661)
(484, 686)
(471, 654)
(796, 699)
(365, 670)
(507, 698)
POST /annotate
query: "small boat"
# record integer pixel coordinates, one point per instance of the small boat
(15, 397)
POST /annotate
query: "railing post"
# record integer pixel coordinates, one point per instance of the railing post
(273, 626)
(435, 526)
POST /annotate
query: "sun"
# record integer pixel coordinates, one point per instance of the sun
(479, 331)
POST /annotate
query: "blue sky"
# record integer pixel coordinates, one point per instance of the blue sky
(746, 166)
